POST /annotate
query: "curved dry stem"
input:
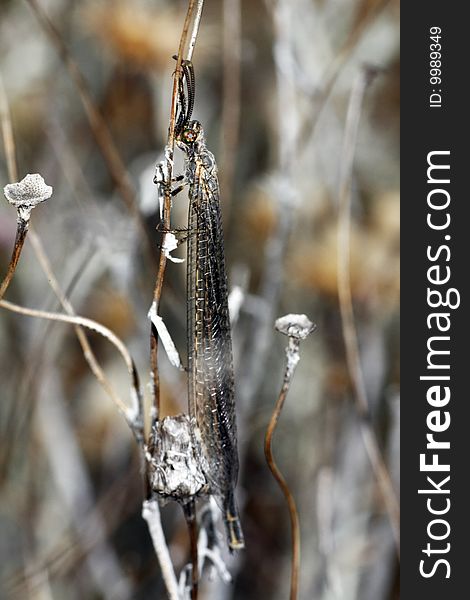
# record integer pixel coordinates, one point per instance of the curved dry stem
(82, 338)
(169, 150)
(346, 306)
(130, 414)
(293, 513)
(21, 231)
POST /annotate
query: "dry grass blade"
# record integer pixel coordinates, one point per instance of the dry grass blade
(346, 307)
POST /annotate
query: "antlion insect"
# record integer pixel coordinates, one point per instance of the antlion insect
(210, 365)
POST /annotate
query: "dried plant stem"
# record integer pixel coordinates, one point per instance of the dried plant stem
(82, 338)
(193, 14)
(297, 327)
(169, 151)
(293, 514)
(151, 513)
(99, 128)
(346, 307)
(134, 418)
(22, 226)
(130, 414)
(190, 516)
(195, 30)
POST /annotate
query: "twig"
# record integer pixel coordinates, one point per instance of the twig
(168, 169)
(346, 307)
(132, 415)
(99, 128)
(21, 231)
(151, 513)
(296, 327)
(190, 516)
(135, 419)
(82, 338)
(197, 19)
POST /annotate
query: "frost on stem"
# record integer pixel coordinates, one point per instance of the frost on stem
(27, 193)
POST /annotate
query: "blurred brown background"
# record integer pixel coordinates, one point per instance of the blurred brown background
(273, 84)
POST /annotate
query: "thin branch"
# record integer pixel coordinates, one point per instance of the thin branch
(297, 327)
(135, 418)
(190, 516)
(197, 20)
(22, 227)
(82, 338)
(24, 195)
(168, 169)
(130, 414)
(346, 306)
(99, 128)
(151, 513)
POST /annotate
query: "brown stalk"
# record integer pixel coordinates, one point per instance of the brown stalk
(193, 16)
(297, 328)
(21, 231)
(169, 151)
(190, 516)
(21, 225)
(136, 423)
(293, 513)
(346, 306)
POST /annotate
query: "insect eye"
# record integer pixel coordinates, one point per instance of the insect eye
(189, 135)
